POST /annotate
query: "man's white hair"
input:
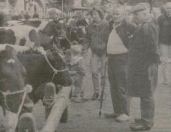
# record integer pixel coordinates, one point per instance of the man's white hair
(118, 8)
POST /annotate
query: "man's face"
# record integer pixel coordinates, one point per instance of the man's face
(96, 17)
(117, 16)
(168, 10)
(139, 17)
(55, 16)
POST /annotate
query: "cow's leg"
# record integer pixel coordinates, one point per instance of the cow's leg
(38, 94)
(26, 123)
(49, 97)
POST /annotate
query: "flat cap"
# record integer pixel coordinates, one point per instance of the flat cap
(140, 7)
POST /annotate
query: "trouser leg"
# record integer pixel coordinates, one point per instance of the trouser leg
(165, 58)
(114, 96)
(147, 109)
(121, 88)
(94, 69)
(78, 85)
(103, 71)
(117, 78)
(113, 86)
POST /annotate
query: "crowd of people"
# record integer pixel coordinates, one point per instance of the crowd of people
(130, 50)
(5, 16)
(127, 48)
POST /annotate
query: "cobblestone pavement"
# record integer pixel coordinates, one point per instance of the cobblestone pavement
(83, 117)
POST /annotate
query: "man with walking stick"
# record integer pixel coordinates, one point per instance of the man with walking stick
(117, 50)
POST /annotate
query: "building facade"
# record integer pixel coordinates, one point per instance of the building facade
(16, 6)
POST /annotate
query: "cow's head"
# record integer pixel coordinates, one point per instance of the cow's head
(53, 28)
(56, 59)
(78, 32)
(12, 72)
(74, 32)
(61, 28)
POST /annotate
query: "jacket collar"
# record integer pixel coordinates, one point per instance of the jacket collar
(147, 20)
(99, 24)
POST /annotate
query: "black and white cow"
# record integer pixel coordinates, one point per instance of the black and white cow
(61, 32)
(40, 69)
(31, 33)
(19, 35)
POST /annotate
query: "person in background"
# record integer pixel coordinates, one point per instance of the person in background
(4, 17)
(27, 16)
(117, 50)
(97, 36)
(13, 15)
(21, 15)
(109, 15)
(143, 61)
(54, 15)
(35, 15)
(163, 10)
(164, 22)
(88, 18)
(155, 13)
(77, 70)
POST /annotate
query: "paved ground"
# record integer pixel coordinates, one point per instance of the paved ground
(83, 117)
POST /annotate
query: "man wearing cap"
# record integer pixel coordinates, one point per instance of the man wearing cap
(27, 16)
(164, 22)
(4, 17)
(97, 35)
(21, 15)
(143, 63)
(117, 50)
(53, 14)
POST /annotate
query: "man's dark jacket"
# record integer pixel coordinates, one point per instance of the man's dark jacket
(143, 60)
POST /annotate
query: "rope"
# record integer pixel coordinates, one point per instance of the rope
(10, 93)
(54, 70)
(27, 89)
(65, 36)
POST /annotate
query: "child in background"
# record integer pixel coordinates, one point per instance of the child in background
(77, 70)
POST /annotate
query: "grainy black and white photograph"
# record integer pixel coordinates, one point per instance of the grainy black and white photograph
(85, 65)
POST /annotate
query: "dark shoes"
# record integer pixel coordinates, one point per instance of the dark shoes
(111, 115)
(95, 96)
(140, 125)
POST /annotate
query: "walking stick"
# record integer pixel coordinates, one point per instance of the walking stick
(102, 93)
